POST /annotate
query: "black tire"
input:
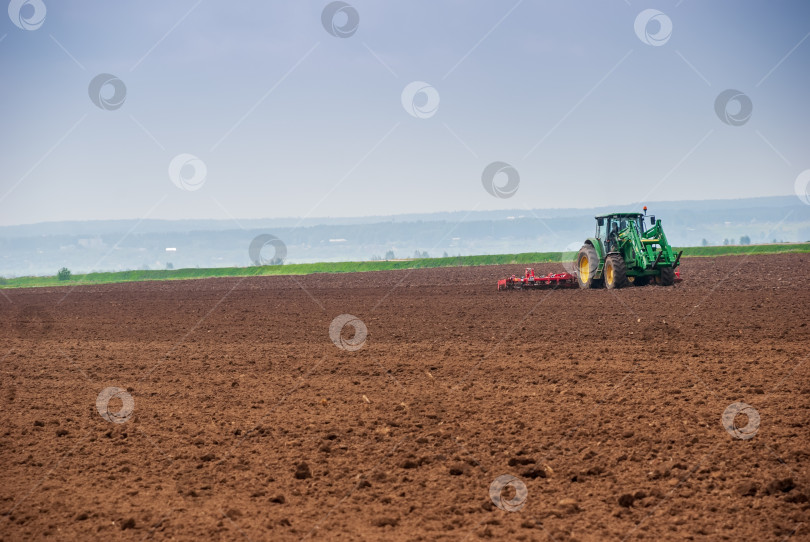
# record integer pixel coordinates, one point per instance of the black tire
(667, 276)
(615, 272)
(641, 281)
(587, 251)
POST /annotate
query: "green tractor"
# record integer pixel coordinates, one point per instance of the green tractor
(623, 252)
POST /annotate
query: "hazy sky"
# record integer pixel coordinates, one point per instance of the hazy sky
(587, 104)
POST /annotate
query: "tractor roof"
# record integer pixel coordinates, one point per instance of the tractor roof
(621, 215)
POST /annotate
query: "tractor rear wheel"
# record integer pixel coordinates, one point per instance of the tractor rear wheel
(615, 272)
(667, 277)
(587, 264)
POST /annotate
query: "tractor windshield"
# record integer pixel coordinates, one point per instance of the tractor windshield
(608, 231)
(634, 222)
(640, 225)
(617, 225)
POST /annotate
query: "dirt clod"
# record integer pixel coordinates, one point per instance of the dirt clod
(302, 471)
(626, 500)
(747, 489)
(533, 473)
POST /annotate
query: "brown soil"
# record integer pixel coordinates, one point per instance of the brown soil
(249, 421)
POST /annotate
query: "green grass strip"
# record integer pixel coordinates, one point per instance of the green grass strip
(353, 267)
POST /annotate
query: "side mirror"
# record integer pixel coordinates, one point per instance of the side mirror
(652, 220)
(600, 221)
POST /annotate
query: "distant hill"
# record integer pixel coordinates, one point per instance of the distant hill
(41, 249)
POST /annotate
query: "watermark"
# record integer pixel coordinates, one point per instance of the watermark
(802, 186)
(730, 414)
(340, 19)
(733, 107)
(497, 487)
(107, 91)
(263, 241)
(336, 332)
(653, 27)
(187, 172)
(103, 404)
(505, 190)
(420, 100)
(27, 14)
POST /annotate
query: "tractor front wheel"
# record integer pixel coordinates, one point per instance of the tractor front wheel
(615, 272)
(667, 277)
(587, 264)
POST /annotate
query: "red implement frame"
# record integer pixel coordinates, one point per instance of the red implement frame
(552, 280)
(531, 281)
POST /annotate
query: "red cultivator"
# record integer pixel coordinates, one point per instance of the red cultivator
(530, 281)
(551, 281)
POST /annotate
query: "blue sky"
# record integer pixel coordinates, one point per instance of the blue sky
(290, 120)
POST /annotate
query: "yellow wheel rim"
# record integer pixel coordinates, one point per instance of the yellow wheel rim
(609, 274)
(584, 268)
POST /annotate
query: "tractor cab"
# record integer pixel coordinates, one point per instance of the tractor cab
(609, 228)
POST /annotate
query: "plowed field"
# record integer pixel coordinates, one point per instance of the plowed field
(248, 421)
